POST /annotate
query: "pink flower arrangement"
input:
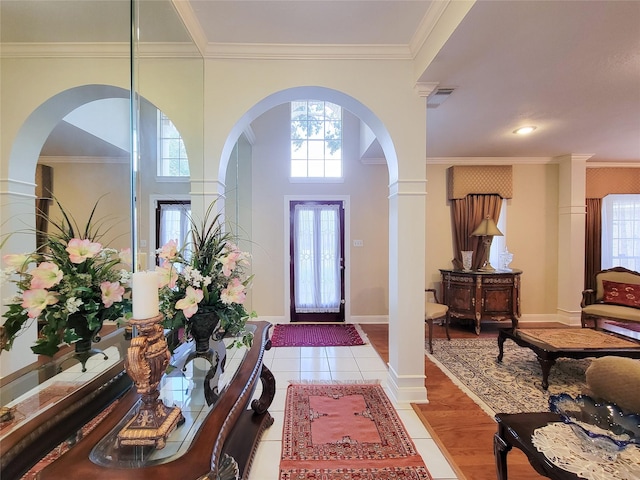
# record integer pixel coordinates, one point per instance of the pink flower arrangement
(70, 274)
(207, 275)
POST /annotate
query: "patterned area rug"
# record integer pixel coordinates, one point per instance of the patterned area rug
(316, 335)
(345, 431)
(512, 386)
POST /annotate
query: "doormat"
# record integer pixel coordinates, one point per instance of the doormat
(512, 386)
(316, 335)
(339, 431)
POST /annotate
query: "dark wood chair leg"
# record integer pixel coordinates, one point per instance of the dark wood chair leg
(430, 325)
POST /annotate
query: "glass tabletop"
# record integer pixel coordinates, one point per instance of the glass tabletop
(184, 386)
(44, 384)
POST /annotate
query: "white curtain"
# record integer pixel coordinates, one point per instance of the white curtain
(317, 258)
(174, 223)
(621, 231)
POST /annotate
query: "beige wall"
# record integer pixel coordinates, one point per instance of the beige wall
(77, 185)
(366, 187)
(531, 233)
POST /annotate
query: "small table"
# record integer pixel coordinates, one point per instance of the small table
(548, 353)
(515, 430)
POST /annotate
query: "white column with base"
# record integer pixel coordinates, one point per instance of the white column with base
(406, 291)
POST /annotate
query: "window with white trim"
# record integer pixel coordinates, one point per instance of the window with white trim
(621, 231)
(316, 139)
(172, 154)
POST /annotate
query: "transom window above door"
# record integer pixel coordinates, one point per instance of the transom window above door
(172, 154)
(316, 139)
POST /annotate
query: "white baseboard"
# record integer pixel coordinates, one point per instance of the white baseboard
(369, 319)
(384, 319)
(275, 319)
(272, 319)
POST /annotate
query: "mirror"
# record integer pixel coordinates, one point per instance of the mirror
(168, 79)
(65, 92)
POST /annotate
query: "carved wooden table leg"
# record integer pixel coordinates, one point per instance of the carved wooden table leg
(260, 405)
(500, 449)
(546, 364)
(501, 339)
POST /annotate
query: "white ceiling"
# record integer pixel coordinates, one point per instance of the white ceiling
(572, 68)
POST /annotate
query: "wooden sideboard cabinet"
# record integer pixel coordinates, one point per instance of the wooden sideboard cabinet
(481, 296)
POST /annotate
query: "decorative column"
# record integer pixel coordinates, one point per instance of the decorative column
(571, 235)
(406, 291)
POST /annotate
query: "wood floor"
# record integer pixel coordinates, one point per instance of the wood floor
(460, 427)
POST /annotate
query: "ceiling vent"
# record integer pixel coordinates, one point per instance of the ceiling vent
(438, 97)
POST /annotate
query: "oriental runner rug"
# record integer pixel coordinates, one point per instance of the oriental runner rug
(346, 431)
(513, 386)
(316, 335)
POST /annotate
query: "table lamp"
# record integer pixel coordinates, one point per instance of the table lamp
(487, 230)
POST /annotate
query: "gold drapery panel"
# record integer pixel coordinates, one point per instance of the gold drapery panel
(463, 180)
(604, 181)
(466, 215)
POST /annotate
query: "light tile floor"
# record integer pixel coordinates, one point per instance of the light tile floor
(337, 364)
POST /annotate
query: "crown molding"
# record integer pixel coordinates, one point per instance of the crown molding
(306, 51)
(490, 160)
(191, 23)
(632, 164)
(65, 50)
(424, 89)
(523, 161)
(78, 159)
(427, 24)
(97, 50)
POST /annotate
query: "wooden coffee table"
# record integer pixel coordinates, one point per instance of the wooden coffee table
(515, 430)
(547, 353)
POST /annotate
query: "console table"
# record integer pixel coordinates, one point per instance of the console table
(216, 441)
(481, 296)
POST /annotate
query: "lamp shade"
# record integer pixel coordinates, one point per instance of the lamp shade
(487, 227)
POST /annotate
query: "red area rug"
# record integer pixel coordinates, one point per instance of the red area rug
(315, 335)
(340, 431)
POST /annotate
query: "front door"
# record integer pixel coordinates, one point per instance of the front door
(317, 261)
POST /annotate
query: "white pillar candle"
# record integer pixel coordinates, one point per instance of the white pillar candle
(144, 293)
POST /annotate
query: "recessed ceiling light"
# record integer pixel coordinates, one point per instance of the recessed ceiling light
(524, 130)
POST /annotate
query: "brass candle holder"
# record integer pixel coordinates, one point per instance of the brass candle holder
(147, 358)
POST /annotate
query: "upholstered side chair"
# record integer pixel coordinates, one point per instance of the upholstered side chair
(434, 310)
